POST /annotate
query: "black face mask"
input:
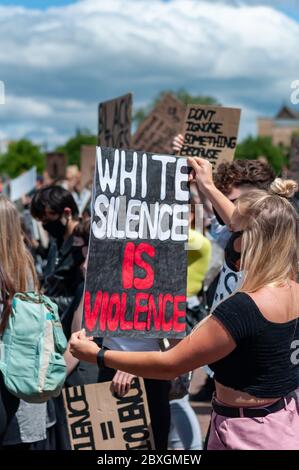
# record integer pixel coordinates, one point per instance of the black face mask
(55, 228)
(231, 255)
(218, 218)
(78, 255)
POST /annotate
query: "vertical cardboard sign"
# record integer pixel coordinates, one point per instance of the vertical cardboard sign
(115, 118)
(136, 275)
(211, 132)
(99, 421)
(165, 121)
(87, 165)
(56, 165)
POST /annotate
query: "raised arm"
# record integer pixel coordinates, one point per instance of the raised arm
(202, 174)
(208, 343)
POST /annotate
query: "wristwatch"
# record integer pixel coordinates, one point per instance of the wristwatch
(100, 359)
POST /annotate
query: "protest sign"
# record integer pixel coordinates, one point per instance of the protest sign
(23, 184)
(115, 117)
(97, 420)
(87, 165)
(56, 165)
(136, 275)
(211, 132)
(165, 121)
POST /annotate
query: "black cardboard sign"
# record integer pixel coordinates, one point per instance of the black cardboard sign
(115, 116)
(137, 263)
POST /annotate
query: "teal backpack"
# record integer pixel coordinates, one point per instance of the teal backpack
(31, 349)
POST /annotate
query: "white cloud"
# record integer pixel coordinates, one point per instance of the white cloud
(59, 63)
(21, 107)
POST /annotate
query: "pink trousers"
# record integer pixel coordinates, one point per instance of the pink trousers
(276, 431)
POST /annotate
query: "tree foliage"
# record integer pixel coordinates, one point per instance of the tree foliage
(21, 156)
(183, 95)
(261, 147)
(72, 147)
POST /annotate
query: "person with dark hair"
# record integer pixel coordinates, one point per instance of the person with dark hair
(243, 173)
(233, 180)
(52, 200)
(56, 209)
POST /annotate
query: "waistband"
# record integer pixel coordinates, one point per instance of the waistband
(232, 412)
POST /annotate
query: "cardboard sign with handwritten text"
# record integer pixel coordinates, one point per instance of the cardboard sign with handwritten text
(155, 134)
(87, 165)
(97, 420)
(115, 117)
(211, 132)
(56, 163)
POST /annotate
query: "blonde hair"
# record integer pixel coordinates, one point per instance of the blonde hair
(269, 251)
(16, 262)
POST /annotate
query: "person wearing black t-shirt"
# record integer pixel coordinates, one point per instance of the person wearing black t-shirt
(250, 339)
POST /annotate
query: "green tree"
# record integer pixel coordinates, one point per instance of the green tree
(183, 95)
(254, 147)
(21, 156)
(72, 147)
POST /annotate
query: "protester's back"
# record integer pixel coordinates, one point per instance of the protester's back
(17, 274)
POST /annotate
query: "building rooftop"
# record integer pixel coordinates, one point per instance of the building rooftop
(287, 113)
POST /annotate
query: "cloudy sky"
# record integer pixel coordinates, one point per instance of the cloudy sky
(59, 59)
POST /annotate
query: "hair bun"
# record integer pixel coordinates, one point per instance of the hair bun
(284, 188)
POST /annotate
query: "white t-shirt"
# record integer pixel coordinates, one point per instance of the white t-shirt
(229, 282)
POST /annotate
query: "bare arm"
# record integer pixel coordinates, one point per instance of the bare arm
(208, 343)
(202, 174)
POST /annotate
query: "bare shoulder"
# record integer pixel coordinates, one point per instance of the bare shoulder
(278, 304)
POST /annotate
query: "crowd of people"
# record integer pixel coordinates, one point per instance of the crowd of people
(242, 313)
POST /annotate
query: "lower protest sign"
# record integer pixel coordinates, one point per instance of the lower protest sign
(99, 421)
(211, 132)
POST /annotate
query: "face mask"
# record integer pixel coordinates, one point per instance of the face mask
(218, 218)
(55, 228)
(233, 255)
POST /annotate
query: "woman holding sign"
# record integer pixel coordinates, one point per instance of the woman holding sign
(251, 339)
